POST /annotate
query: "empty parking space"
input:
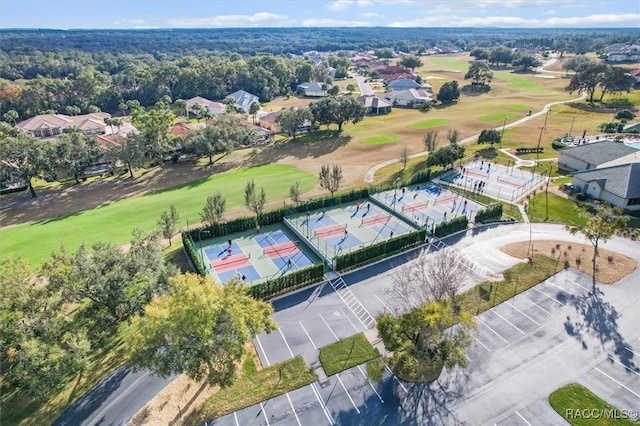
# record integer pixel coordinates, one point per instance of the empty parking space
(614, 382)
(311, 409)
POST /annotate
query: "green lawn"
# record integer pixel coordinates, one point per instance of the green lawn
(445, 63)
(561, 210)
(347, 353)
(581, 407)
(381, 139)
(429, 124)
(524, 83)
(500, 116)
(253, 387)
(114, 222)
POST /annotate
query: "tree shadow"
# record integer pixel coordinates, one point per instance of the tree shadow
(598, 318)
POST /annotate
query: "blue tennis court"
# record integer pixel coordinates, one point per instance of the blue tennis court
(385, 229)
(272, 239)
(249, 273)
(221, 250)
(343, 242)
(299, 260)
(318, 221)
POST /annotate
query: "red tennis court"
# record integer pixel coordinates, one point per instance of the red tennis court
(415, 206)
(508, 182)
(373, 220)
(284, 249)
(230, 262)
(329, 231)
(477, 174)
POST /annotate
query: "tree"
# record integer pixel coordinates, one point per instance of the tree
(73, 110)
(587, 79)
(489, 136)
(253, 200)
(294, 192)
(330, 178)
(75, 151)
(616, 80)
(501, 54)
(384, 53)
(449, 92)
(578, 62)
(199, 328)
(154, 126)
(290, 120)
(479, 72)
(404, 157)
(224, 134)
(338, 111)
(479, 53)
(168, 222)
(445, 156)
(453, 136)
(129, 150)
(430, 140)
(625, 115)
(601, 225)
(526, 62)
(334, 90)
(411, 62)
(11, 116)
(26, 157)
(181, 104)
(351, 88)
(253, 110)
(213, 209)
(111, 122)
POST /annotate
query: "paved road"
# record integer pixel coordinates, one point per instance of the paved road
(114, 400)
(556, 333)
(365, 88)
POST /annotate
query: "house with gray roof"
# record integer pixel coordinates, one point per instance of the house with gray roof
(243, 100)
(375, 105)
(409, 98)
(618, 185)
(312, 89)
(590, 156)
(403, 84)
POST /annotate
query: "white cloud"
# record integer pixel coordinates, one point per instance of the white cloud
(129, 22)
(324, 22)
(340, 4)
(345, 4)
(598, 20)
(261, 19)
(370, 15)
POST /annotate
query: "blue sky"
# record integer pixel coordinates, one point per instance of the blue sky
(311, 13)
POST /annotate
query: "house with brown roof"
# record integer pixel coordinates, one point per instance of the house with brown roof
(51, 125)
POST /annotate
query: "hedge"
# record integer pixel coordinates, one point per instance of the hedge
(492, 213)
(420, 177)
(289, 282)
(330, 201)
(380, 250)
(451, 226)
(192, 253)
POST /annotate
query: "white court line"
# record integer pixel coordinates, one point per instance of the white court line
(525, 420)
(549, 297)
(383, 304)
(324, 406)
(236, 417)
(482, 344)
(263, 352)
(397, 380)
(285, 341)
(264, 413)
(508, 322)
(629, 349)
(615, 360)
(537, 306)
(349, 319)
(602, 372)
(347, 392)
(492, 330)
(372, 388)
(294, 410)
(330, 329)
(305, 332)
(531, 319)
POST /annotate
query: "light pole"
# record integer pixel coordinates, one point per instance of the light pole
(200, 232)
(502, 133)
(538, 148)
(571, 127)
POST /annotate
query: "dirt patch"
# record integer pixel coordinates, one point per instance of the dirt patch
(611, 267)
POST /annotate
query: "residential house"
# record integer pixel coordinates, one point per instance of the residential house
(403, 84)
(312, 89)
(635, 73)
(396, 76)
(618, 185)
(375, 105)
(590, 156)
(52, 125)
(181, 130)
(409, 98)
(269, 121)
(264, 135)
(243, 100)
(623, 52)
(215, 108)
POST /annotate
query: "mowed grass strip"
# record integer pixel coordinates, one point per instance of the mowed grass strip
(347, 353)
(561, 210)
(381, 139)
(430, 124)
(114, 222)
(581, 407)
(253, 387)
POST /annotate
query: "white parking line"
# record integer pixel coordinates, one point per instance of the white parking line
(285, 341)
(629, 349)
(482, 344)
(324, 406)
(602, 372)
(350, 322)
(579, 285)
(263, 352)
(330, 329)
(525, 420)
(347, 392)
(615, 360)
(508, 322)
(264, 413)
(305, 332)
(547, 296)
(537, 306)
(294, 410)
(524, 313)
(559, 288)
(492, 330)
(383, 304)
(370, 384)
(397, 380)
(235, 416)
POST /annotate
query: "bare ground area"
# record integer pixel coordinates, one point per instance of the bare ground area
(610, 266)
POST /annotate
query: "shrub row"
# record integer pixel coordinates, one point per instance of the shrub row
(378, 251)
(451, 226)
(492, 213)
(420, 177)
(289, 282)
(187, 243)
(330, 201)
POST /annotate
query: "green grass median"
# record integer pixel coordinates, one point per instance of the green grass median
(347, 353)
(581, 407)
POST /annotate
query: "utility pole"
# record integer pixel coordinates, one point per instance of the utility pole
(502, 133)
(571, 128)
